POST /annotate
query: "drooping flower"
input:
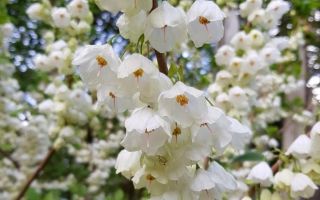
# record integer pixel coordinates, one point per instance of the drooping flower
(205, 22)
(78, 8)
(182, 103)
(262, 174)
(132, 27)
(302, 186)
(224, 55)
(300, 148)
(283, 179)
(61, 17)
(97, 64)
(249, 6)
(166, 25)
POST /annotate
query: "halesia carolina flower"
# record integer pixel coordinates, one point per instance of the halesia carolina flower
(34, 11)
(300, 148)
(241, 41)
(302, 186)
(315, 141)
(61, 17)
(205, 22)
(138, 74)
(166, 25)
(97, 64)
(78, 8)
(128, 163)
(247, 7)
(183, 104)
(129, 7)
(224, 55)
(132, 27)
(146, 131)
(262, 174)
(278, 8)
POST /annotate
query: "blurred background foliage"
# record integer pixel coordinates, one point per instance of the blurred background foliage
(27, 42)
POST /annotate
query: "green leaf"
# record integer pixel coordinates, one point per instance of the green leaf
(249, 156)
(172, 70)
(31, 194)
(271, 130)
(52, 195)
(119, 195)
(180, 73)
(78, 189)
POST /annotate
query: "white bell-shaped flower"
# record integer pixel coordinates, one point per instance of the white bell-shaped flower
(222, 101)
(61, 17)
(315, 141)
(97, 64)
(35, 11)
(302, 186)
(146, 131)
(182, 103)
(166, 25)
(132, 27)
(270, 55)
(42, 63)
(283, 179)
(139, 74)
(128, 163)
(223, 78)
(224, 55)
(238, 98)
(205, 22)
(129, 7)
(300, 148)
(278, 8)
(235, 65)
(262, 174)
(78, 8)
(257, 38)
(241, 41)
(247, 7)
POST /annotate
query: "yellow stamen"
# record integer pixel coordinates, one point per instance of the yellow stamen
(101, 61)
(112, 95)
(149, 177)
(182, 99)
(138, 73)
(251, 63)
(79, 6)
(203, 20)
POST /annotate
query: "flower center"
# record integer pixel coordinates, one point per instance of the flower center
(182, 99)
(61, 15)
(176, 131)
(236, 64)
(251, 63)
(138, 73)
(101, 61)
(112, 95)
(79, 6)
(255, 36)
(225, 53)
(149, 177)
(203, 20)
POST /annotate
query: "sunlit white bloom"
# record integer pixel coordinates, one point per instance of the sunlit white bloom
(278, 8)
(139, 74)
(256, 38)
(42, 63)
(311, 169)
(224, 55)
(265, 194)
(283, 179)
(205, 22)
(61, 17)
(132, 27)
(241, 41)
(97, 64)
(315, 141)
(257, 17)
(300, 148)
(238, 98)
(166, 25)
(262, 174)
(235, 65)
(56, 59)
(223, 78)
(182, 103)
(34, 11)
(129, 7)
(247, 7)
(128, 163)
(7, 29)
(78, 8)
(146, 131)
(302, 186)
(222, 101)
(270, 55)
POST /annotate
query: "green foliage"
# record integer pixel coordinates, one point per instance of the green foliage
(3, 14)
(31, 194)
(249, 156)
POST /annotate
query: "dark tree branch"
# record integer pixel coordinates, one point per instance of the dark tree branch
(35, 174)
(7, 155)
(161, 58)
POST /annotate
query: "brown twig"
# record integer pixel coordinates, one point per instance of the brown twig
(7, 155)
(35, 174)
(206, 163)
(161, 58)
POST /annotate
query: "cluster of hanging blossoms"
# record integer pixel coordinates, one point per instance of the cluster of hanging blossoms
(171, 127)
